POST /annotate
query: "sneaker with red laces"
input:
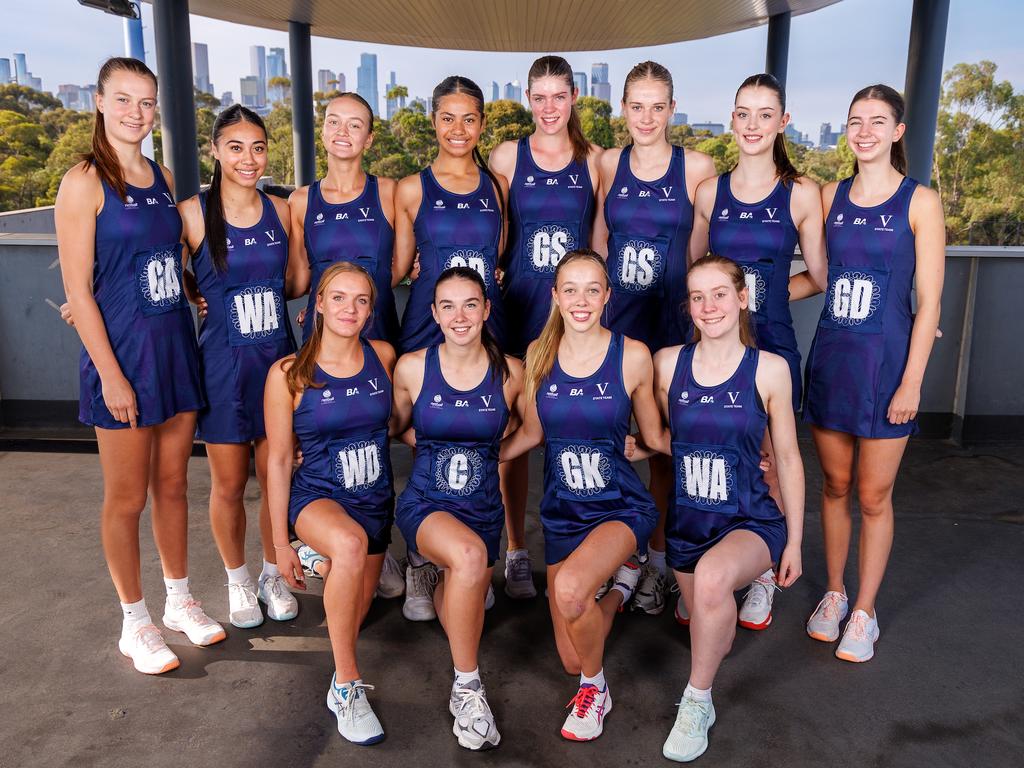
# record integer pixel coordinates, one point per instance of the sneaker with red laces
(824, 622)
(589, 707)
(859, 637)
(756, 611)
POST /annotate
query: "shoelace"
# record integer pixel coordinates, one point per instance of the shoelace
(275, 585)
(858, 626)
(244, 591)
(354, 691)
(829, 606)
(759, 597)
(582, 701)
(149, 637)
(519, 569)
(424, 579)
(474, 700)
(691, 715)
(193, 611)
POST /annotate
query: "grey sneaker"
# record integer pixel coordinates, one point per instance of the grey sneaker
(650, 593)
(392, 582)
(688, 738)
(519, 575)
(474, 722)
(356, 719)
(824, 622)
(419, 592)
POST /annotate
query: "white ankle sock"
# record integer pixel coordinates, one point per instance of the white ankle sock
(697, 694)
(135, 615)
(465, 678)
(341, 690)
(597, 680)
(239, 575)
(657, 560)
(416, 559)
(269, 569)
(177, 590)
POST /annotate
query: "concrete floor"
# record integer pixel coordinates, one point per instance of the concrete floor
(945, 687)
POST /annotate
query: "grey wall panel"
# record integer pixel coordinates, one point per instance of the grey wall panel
(997, 357)
(32, 220)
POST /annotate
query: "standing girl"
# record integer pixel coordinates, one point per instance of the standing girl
(719, 396)
(755, 215)
(119, 241)
(583, 386)
(885, 233)
(334, 396)
(645, 214)
(458, 395)
(553, 180)
(238, 238)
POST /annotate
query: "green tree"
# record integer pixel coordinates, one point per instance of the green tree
(67, 151)
(595, 117)
(722, 149)
(24, 148)
(280, 152)
(279, 90)
(27, 101)
(506, 121)
(397, 92)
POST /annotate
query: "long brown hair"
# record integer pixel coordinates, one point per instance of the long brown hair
(299, 375)
(498, 363)
(736, 276)
(541, 356)
(783, 165)
(892, 98)
(556, 66)
(102, 156)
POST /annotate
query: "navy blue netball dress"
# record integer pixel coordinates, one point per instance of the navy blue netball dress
(860, 348)
(456, 466)
(649, 225)
(137, 287)
(761, 237)
(551, 213)
(342, 428)
(358, 232)
(452, 231)
(718, 485)
(246, 328)
(587, 478)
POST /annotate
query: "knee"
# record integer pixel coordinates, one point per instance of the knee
(712, 587)
(837, 486)
(347, 548)
(469, 563)
(570, 595)
(874, 502)
(170, 487)
(124, 504)
(229, 493)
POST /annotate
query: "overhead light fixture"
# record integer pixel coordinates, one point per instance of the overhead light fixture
(125, 8)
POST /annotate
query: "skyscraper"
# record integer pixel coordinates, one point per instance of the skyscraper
(20, 69)
(393, 105)
(5, 71)
(325, 80)
(257, 69)
(249, 91)
(599, 86)
(514, 91)
(341, 82)
(366, 80)
(201, 68)
(579, 79)
(276, 64)
(495, 91)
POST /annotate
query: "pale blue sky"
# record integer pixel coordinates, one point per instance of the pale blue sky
(833, 52)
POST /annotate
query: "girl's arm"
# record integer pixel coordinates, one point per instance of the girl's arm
(278, 407)
(297, 274)
(407, 202)
(638, 378)
(700, 235)
(530, 433)
(408, 380)
(606, 163)
(805, 208)
(775, 386)
(928, 224)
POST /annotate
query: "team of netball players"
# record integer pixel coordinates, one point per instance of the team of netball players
(561, 296)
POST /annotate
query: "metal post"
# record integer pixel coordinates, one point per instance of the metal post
(777, 54)
(924, 83)
(135, 48)
(177, 106)
(302, 103)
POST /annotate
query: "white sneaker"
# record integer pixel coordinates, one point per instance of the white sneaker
(474, 722)
(188, 617)
(589, 708)
(650, 592)
(602, 590)
(274, 593)
(243, 607)
(311, 560)
(356, 720)
(489, 598)
(682, 615)
(519, 575)
(146, 647)
(392, 582)
(824, 622)
(756, 611)
(419, 592)
(625, 580)
(688, 738)
(859, 637)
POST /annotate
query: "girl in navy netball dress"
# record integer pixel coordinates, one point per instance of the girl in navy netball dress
(334, 396)
(755, 215)
(583, 386)
(238, 238)
(645, 213)
(719, 396)
(119, 242)
(885, 234)
(349, 216)
(553, 179)
(451, 214)
(459, 396)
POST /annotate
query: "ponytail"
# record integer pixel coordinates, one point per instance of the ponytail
(102, 156)
(893, 99)
(556, 66)
(495, 358)
(541, 356)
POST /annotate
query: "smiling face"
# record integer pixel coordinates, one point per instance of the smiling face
(551, 100)
(648, 107)
(871, 130)
(757, 119)
(346, 131)
(714, 302)
(241, 149)
(461, 310)
(581, 292)
(345, 303)
(128, 105)
(458, 123)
